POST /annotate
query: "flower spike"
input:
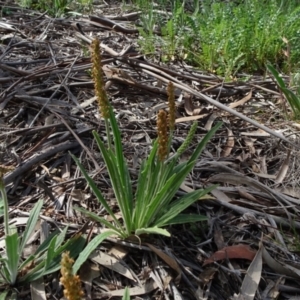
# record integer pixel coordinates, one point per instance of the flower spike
(162, 132)
(71, 283)
(98, 79)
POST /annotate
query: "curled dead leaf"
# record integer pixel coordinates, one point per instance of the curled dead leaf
(239, 251)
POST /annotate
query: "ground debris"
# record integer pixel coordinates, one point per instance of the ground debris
(48, 109)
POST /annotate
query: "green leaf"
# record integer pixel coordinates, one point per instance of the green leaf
(3, 295)
(145, 180)
(91, 246)
(96, 191)
(274, 72)
(122, 165)
(152, 230)
(153, 181)
(119, 177)
(13, 256)
(4, 271)
(30, 226)
(164, 196)
(58, 238)
(61, 237)
(50, 253)
(179, 205)
(96, 218)
(28, 260)
(74, 245)
(293, 100)
(1, 207)
(46, 255)
(126, 295)
(185, 218)
(204, 141)
(14, 295)
(44, 246)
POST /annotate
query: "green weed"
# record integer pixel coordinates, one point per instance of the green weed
(150, 205)
(291, 97)
(45, 260)
(58, 8)
(229, 36)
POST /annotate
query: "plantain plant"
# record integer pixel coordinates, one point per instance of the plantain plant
(152, 205)
(14, 267)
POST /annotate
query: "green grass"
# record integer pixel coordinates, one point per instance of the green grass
(224, 37)
(58, 8)
(292, 98)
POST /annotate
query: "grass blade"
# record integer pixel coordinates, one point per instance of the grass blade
(4, 294)
(50, 253)
(166, 194)
(44, 246)
(186, 218)
(13, 256)
(98, 219)
(122, 165)
(180, 205)
(96, 191)
(117, 175)
(204, 141)
(126, 295)
(92, 245)
(61, 237)
(274, 72)
(27, 261)
(33, 217)
(293, 100)
(144, 181)
(152, 230)
(74, 245)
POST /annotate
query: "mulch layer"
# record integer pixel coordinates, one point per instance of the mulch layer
(249, 247)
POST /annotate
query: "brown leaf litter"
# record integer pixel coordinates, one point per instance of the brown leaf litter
(48, 108)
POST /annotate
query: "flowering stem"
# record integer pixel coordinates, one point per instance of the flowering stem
(5, 205)
(106, 121)
(171, 116)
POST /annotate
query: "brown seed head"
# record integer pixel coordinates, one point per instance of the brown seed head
(163, 137)
(98, 79)
(71, 283)
(5, 169)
